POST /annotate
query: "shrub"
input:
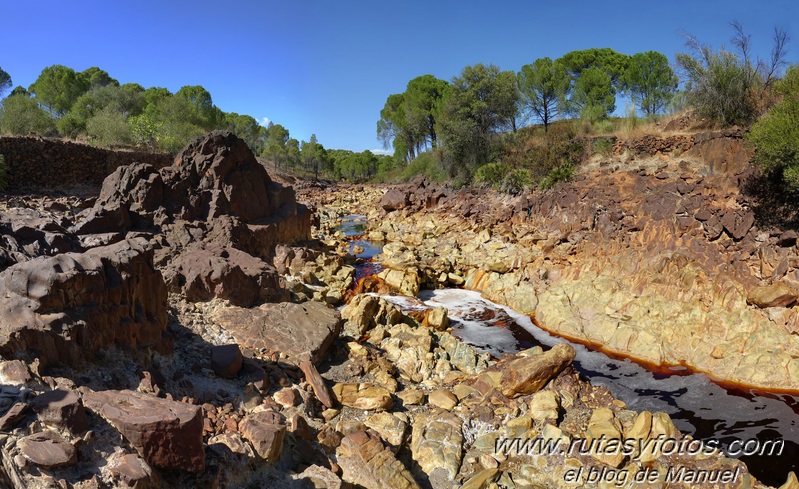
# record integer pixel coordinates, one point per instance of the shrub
(561, 173)
(428, 164)
(603, 146)
(775, 138)
(517, 181)
(109, 128)
(21, 115)
(490, 174)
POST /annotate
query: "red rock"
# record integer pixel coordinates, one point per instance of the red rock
(226, 360)
(166, 433)
(265, 430)
(317, 383)
(47, 449)
(134, 472)
(62, 408)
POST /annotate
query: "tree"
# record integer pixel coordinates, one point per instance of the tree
(20, 90)
(543, 86)
(125, 100)
(203, 111)
(247, 128)
(424, 99)
(20, 114)
(650, 81)
(57, 88)
(393, 128)
(775, 137)
(593, 96)
(276, 145)
(612, 63)
(98, 78)
(724, 86)
(5, 81)
(483, 101)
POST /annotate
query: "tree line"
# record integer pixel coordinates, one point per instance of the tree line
(469, 122)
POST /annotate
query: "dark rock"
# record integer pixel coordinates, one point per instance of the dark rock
(13, 416)
(788, 238)
(203, 272)
(317, 383)
(166, 433)
(47, 449)
(394, 199)
(255, 374)
(63, 309)
(61, 408)
(226, 360)
(301, 331)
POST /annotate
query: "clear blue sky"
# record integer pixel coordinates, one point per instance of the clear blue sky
(326, 67)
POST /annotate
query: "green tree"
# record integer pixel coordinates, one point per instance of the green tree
(611, 62)
(5, 82)
(775, 137)
(650, 81)
(57, 88)
(247, 128)
(483, 102)
(593, 96)
(109, 127)
(125, 100)
(543, 86)
(424, 99)
(20, 90)
(276, 145)
(98, 78)
(725, 86)
(393, 128)
(20, 114)
(203, 112)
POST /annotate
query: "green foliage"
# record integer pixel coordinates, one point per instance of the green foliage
(98, 78)
(776, 136)
(428, 164)
(20, 115)
(20, 90)
(593, 96)
(602, 146)
(719, 86)
(650, 81)
(126, 101)
(517, 181)
(490, 175)
(543, 87)
(57, 88)
(5, 82)
(604, 59)
(109, 127)
(482, 103)
(248, 129)
(409, 120)
(561, 173)
(143, 130)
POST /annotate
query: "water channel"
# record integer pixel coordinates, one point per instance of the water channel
(698, 406)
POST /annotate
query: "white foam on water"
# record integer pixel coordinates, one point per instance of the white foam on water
(695, 402)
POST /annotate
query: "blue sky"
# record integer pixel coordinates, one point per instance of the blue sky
(326, 67)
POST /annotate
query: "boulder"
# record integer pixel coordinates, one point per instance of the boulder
(363, 396)
(226, 360)
(301, 331)
(437, 442)
(166, 433)
(366, 462)
(61, 408)
(27, 233)
(47, 449)
(133, 471)
(265, 430)
(205, 271)
(394, 199)
(777, 294)
(65, 308)
(526, 372)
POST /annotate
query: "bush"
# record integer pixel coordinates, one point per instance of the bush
(428, 164)
(517, 181)
(561, 173)
(775, 138)
(109, 128)
(603, 146)
(21, 115)
(490, 175)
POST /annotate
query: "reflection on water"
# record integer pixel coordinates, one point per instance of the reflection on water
(697, 405)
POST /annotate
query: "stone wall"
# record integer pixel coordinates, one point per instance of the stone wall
(37, 163)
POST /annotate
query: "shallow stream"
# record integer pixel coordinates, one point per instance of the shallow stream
(697, 405)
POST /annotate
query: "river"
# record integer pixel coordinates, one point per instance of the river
(696, 404)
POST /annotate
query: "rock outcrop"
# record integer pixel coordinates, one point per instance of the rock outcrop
(64, 309)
